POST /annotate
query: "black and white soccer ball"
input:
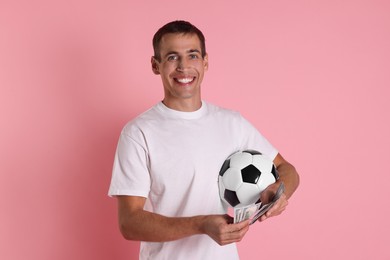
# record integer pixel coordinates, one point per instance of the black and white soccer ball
(243, 176)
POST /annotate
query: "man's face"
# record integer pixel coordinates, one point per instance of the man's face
(181, 67)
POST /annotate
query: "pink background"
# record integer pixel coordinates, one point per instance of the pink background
(313, 76)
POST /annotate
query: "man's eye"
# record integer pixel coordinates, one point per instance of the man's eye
(172, 58)
(193, 56)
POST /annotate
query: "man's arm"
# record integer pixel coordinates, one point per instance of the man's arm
(137, 224)
(289, 176)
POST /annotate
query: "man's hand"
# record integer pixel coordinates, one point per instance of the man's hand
(222, 230)
(279, 206)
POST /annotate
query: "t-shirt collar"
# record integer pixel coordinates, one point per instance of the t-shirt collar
(180, 114)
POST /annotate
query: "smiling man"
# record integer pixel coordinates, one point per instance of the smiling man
(168, 158)
(181, 62)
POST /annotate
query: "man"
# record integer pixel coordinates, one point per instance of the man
(168, 158)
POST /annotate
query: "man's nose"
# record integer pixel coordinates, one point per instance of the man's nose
(182, 65)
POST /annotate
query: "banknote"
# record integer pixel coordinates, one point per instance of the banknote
(255, 211)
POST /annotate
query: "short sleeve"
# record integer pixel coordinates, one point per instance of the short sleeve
(130, 174)
(251, 138)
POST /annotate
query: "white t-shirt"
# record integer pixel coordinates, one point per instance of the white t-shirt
(173, 159)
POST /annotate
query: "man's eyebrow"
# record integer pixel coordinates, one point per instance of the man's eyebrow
(193, 50)
(171, 53)
(189, 51)
(176, 53)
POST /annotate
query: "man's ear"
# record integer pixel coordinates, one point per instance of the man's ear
(206, 62)
(155, 66)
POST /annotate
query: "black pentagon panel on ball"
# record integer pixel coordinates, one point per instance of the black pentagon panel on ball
(252, 152)
(250, 174)
(224, 167)
(231, 197)
(275, 172)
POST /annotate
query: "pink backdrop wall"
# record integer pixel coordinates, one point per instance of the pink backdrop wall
(313, 76)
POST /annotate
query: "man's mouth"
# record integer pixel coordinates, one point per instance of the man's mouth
(185, 80)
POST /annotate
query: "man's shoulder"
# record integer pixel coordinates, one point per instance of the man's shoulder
(222, 111)
(142, 119)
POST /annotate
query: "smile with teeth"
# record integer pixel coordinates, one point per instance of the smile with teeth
(185, 80)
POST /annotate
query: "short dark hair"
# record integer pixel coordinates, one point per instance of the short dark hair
(177, 27)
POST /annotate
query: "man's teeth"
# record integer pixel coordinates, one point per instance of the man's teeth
(185, 80)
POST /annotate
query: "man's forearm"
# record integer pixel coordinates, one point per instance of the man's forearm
(146, 226)
(290, 178)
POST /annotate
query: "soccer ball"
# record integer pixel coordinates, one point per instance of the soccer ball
(243, 176)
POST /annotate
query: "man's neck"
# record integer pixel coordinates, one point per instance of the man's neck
(183, 105)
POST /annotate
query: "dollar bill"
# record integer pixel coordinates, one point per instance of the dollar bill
(255, 211)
